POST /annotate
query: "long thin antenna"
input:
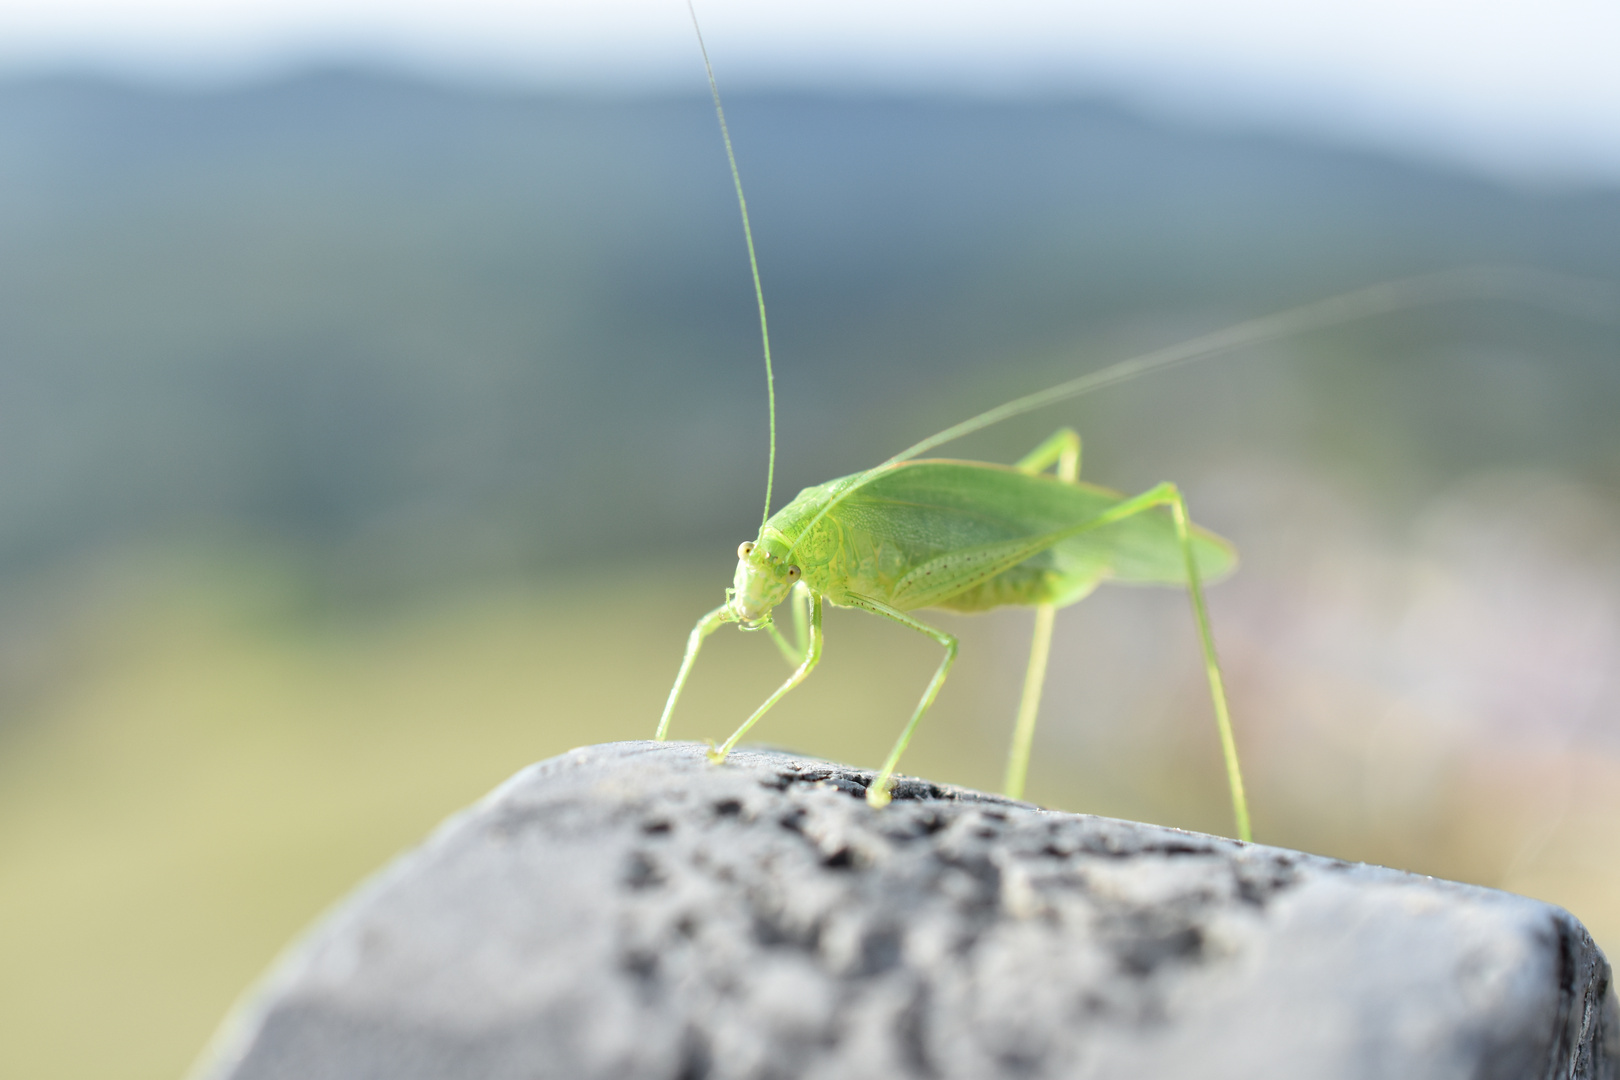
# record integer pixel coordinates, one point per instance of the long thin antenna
(1582, 297)
(1598, 300)
(753, 263)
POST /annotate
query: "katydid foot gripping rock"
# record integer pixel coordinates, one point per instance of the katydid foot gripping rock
(630, 911)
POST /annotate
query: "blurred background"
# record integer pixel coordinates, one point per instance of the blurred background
(380, 403)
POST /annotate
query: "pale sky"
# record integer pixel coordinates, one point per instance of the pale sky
(1527, 89)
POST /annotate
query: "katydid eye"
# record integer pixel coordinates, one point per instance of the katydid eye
(793, 573)
(745, 549)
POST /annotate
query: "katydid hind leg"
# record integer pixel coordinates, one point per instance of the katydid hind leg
(694, 641)
(1168, 495)
(1212, 667)
(1062, 450)
(877, 794)
(812, 656)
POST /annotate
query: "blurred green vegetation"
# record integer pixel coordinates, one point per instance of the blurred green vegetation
(364, 440)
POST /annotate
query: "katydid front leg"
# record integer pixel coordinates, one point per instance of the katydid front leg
(1062, 450)
(707, 625)
(794, 652)
(812, 656)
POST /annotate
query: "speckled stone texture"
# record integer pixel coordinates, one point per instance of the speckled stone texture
(631, 911)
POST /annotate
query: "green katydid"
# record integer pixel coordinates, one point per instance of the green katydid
(914, 533)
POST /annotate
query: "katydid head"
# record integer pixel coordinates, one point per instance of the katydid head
(764, 579)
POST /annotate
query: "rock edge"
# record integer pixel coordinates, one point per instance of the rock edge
(629, 910)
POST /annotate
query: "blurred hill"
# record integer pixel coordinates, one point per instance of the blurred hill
(426, 332)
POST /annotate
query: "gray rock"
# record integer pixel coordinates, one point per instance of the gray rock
(631, 911)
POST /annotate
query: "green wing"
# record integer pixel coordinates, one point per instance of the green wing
(926, 532)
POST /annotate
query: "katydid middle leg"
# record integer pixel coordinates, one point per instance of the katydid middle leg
(877, 793)
(1062, 450)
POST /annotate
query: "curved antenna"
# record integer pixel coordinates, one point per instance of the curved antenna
(1596, 300)
(753, 264)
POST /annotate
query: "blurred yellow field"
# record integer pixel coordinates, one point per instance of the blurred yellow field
(212, 769)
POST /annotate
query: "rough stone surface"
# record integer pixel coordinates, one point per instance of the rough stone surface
(630, 911)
